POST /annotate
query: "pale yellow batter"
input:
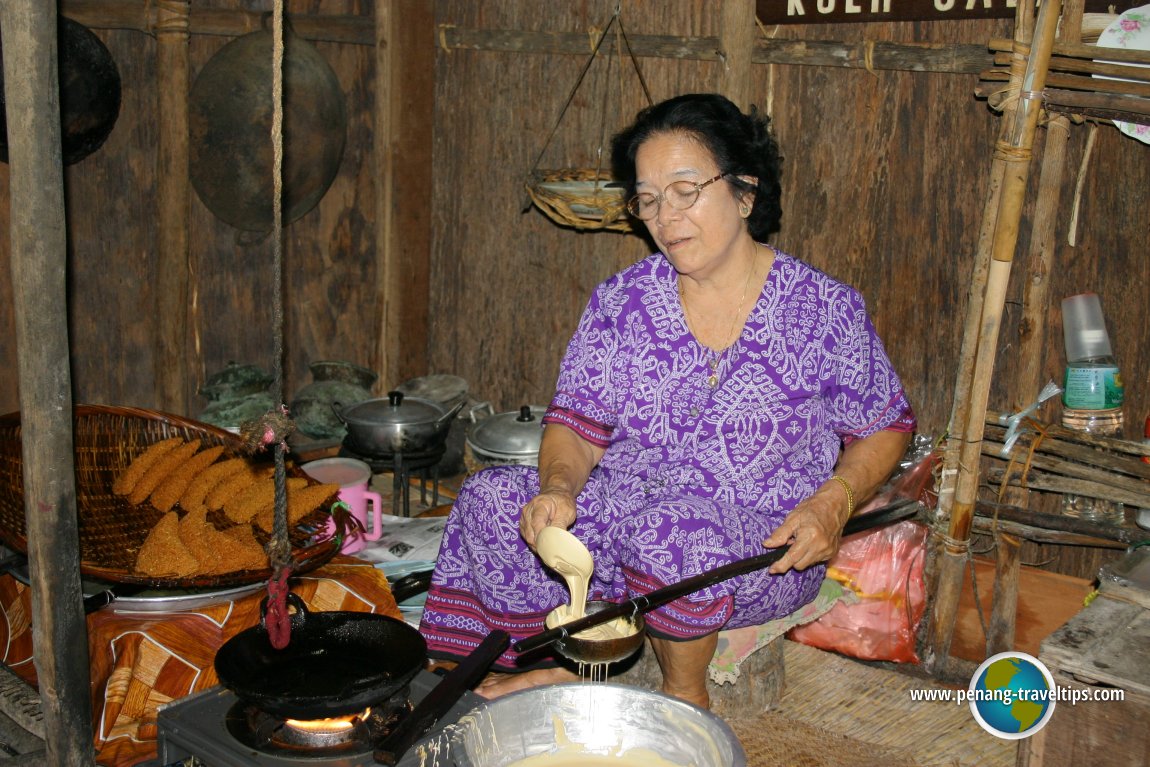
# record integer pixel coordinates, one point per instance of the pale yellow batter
(566, 555)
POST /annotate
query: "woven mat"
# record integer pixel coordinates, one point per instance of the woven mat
(773, 740)
(837, 711)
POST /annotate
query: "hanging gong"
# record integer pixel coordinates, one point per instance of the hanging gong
(230, 122)
(89, 93)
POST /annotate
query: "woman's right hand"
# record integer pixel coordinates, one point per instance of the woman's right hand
(552, 507)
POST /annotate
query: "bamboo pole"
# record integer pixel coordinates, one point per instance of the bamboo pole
(172, 277)
(1032, 339)
(38, 235)
(948, 561)
(1014, 154)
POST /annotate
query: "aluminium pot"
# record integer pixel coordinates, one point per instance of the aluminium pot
(396, 424)
(506, 438)
(336, 663)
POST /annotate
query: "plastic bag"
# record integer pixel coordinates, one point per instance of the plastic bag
(884, 568)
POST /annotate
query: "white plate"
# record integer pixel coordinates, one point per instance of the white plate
(1130, 30)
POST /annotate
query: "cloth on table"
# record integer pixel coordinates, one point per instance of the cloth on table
(141, 660)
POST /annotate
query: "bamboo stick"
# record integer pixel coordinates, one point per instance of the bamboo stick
(1014, 153)
(985, 526)
(1060, 522)
(1098, 105)
(1067, 485)
(1087, 66)
(1073, 82)
(1081, 445)
(1104, 469)
(1077, 51)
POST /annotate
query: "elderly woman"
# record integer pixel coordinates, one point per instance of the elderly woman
(719, 398)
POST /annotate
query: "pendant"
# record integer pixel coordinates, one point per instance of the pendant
(712, 380)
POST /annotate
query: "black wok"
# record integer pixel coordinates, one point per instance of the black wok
(337, 663)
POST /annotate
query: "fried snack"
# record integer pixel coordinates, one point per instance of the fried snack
(301, 501)
(141, 463)
(234, 549)
(193, 532)
(163, 553)
(234, 485)
(160, 470)
(258, 498)
(207, 480)
(165, 496)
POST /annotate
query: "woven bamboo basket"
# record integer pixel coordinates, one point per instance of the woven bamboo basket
(111, 530)
(580, 198)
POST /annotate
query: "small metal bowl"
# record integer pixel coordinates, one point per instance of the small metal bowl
(602, 650)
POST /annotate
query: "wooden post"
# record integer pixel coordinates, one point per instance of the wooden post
(1014, 153)
(172, 278)
(390, 287)
(39, 257)
(1032, 340)
(1000, 632)
(737, 32)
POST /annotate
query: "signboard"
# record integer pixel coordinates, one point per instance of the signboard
(841, 11)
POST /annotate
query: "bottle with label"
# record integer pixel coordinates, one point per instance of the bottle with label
(1092, 393)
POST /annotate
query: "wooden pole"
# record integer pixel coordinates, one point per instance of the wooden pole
(1014, 153)
(39, 257)
(1032, 337)
(1004, 605)
(172, 277)
(390, 286)
(737, 32)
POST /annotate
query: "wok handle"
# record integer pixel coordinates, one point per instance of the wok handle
(659, 597)
(429, 710)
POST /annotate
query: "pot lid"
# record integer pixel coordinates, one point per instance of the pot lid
(396, 408)
(509, 434)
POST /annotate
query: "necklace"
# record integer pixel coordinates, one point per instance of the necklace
(718, 354)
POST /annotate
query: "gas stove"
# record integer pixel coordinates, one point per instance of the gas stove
(210, 728)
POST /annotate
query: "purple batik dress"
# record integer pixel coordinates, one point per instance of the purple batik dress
(694, 476)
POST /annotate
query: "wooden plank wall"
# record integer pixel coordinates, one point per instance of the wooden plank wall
(885, 178)
(884, 183)
(333, 298)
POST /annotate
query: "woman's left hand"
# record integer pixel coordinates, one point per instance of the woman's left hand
(813, 529)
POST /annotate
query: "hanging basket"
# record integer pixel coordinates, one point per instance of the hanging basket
(581, 198)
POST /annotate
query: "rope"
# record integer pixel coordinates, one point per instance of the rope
(274, 427)
(616, 21)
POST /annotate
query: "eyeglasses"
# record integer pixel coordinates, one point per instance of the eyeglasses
(680, 195)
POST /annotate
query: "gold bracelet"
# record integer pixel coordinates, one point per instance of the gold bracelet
(850, 494)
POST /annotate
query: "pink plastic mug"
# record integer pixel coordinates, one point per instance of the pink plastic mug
(352, 476)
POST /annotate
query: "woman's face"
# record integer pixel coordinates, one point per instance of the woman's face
(701, 239)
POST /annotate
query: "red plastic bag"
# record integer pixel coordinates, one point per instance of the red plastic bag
(884, 569)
